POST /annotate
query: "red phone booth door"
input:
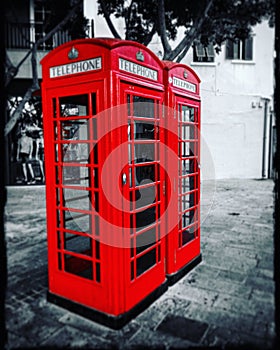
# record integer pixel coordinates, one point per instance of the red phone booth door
(82, 268)
(187, 239)
(144, 188)
(76, 268)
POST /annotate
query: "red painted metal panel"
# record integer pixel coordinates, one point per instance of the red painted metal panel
(183, 101)
(93, 218)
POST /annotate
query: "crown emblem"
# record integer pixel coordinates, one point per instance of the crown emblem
(73, 53)
(140, 56)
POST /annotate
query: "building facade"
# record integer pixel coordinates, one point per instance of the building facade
(237, 99)
(236, 90)
(26, 22)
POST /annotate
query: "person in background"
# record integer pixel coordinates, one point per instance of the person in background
(40, 153)
(24, 154)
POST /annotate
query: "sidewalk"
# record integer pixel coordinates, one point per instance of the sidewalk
(227, 300)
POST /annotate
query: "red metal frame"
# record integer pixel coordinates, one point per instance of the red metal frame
(183, 101)
(82, 81)
(112, 188)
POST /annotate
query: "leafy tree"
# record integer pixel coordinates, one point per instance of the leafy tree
(208, 21)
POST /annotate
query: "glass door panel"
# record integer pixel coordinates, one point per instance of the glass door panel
(144, 174)
(76, 181)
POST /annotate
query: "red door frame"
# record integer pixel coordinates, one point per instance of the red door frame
(115, 294)
(182, 92)
(138, 287)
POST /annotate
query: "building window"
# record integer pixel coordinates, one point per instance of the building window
(203, 53)
(41, 15)
(240, 49)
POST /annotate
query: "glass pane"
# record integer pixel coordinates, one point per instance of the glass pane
(187, 201)
(236, 50)
(76, 199)
(187, 166)
(93, 101)
(187, 132)
(76, 129)
(187, 236)
(248, 48)
(128, 105)
(143, 107)
(200, 51)
(78, 244)
(98, 273)
(132, 270)
(54, 107)
(145, 196)
(145, 240)
(75, 152)
(77, 222)
(78, 266)
(145, 262)
(145, 173)
(146, 217)
(229, 49)
(75, 175)
(187, 184)
(97, 249)
(187, 114)
(144, 152)
(144, 131)
(188, 218)
(73, 105)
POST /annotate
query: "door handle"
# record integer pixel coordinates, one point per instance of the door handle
(124, 178)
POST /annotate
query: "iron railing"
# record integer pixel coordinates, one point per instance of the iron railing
(23, 35)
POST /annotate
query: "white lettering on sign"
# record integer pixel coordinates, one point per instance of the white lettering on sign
(184, 84)
(137, 69)
(76, 67)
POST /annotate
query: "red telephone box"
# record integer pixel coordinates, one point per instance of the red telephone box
(183, 100)
(102, 114)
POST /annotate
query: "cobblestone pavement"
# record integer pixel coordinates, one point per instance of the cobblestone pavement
(227, 300)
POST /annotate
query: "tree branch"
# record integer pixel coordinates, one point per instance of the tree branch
(187, 41)
(69, 15)
(162, 28)
(108, 20)
(17, 113)
(149, 37)
(12, 70)
(35, 84)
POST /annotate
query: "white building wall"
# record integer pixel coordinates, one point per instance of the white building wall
(232, 105)
(232, 95)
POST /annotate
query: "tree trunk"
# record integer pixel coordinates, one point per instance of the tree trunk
(108, 20)
(162, 29)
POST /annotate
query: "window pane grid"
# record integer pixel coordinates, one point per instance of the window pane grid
(144, 173)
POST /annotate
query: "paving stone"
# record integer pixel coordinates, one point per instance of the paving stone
(218, 317)
(16, 341)
(228, 298)
(144, 339)
(227, 339)
(260, 283)
(231, 276)
(182, 327)
(203, 296)
(225, 286)
(69, 337)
